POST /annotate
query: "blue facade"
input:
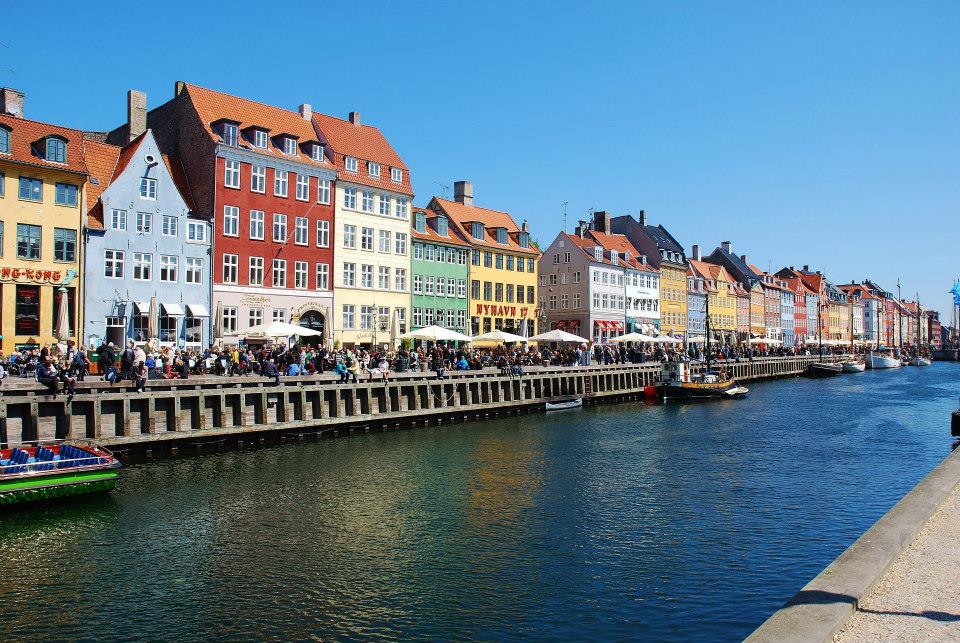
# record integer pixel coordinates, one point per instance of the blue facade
(787, 318)
(150, 254)
(696, 310)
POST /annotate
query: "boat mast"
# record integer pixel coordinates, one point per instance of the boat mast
(900, 325)
(707, 326)
(820, 327)
(918, 324)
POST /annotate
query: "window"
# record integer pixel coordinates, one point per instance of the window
(400, 279)
(255, 271)
(475, 258)
(230, 265)
(64, 244)
(553, 302)
(27, 313)
(144, 222)
(258, 178)
(451, 287)
(229, 319)
(142, 265)
(168, 226)
(418, 251)
(259, 138)
(487, 291)
(487, 259)
(280, 183)
(300, 274)
(383, 278)
(290, 146)
(520, 294)
(28, 241)
(524, 240)
(168, 268)
(509, 293)
(349, 236)
(428, 285)
(231, 175)
(520, 264)
(301, 231)
(31, 189)
(350, 198)
(196, 231)
(400, 243)
(255, 316)
(475, 289)
(316, 152)
(366, 238)
(576, 277)
(530, 295)
(279, 315)
(501, 235)
(350, 274)
(385, 201)
(384, 241)
(373, 169)
(348, 312)
(230, 134)
(499, 262)
(576, 300)
(499, 292)
(113, 264)
(530, 266)
(396, 175)
(279, 273)
(366, 317)
(476, 229)
(418, 317)
(441, 286)
(366, 201)
(428, 251)
(323, 192)
(66, 194)
(118, 219)
(279, 227)
(510, 259)
(401, 207)
(428, 316)
(4, 140)
(462, 288)
(442, 226)
(417, 284)
(350, 164)
(323, 276)
(256, 224)
(56, 150)
(303, 187)
(323, 234)
(441, 254)
(231, 220)
(366, 276)
(193, 270)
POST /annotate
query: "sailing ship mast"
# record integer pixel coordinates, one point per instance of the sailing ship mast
(707, 326)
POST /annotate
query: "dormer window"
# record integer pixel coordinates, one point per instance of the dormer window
(502, 235)
(614, 257)
(259, 138)
(524, 240)
(317, 152)
(396, 175)
(598, 254)
(56, 150)
(373, 169)
(230, 134)
(290, 146)
(4, 140)
(350, 163)
(421, 222)
(477, 231)
(442, 226)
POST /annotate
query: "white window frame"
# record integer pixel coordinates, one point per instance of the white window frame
(281, 181)
(396, 175)
(260, 138)
(193, 270)
(301, 276)
(118, 219)
(349, 277)
(373, 169)
(229, 267)
(323, 276)
(303, 187)
(169, 264)
(258, 178)
(255, 271)
(231, 174)
(323, 233)
(257, 224)
(301, 231)
(278, 273)
(279, 227)
(323, 192)
(231, 221)
(350, 163)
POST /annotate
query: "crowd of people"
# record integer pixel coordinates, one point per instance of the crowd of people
(59, 368)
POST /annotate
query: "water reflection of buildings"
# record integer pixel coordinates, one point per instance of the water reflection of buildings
(505, 472)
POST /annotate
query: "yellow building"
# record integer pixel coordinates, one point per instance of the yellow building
(503, 265)
(42, 196)
(758, 327)
(722, 300)
(673, 298)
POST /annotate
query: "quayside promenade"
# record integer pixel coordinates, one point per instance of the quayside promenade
(212, 409)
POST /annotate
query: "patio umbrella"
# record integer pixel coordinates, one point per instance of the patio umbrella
(632, 337)
(63, 316)
(275, 329)
(666, 339)
(559, 336)
(218, 321)
(436, 333)
(152, 320)
(499, 337)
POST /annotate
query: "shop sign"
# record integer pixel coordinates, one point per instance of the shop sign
(501, 311)
(31, 275)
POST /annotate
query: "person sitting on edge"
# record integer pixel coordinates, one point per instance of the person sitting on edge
(270, 370)
(293, 369)
(47, 375)
(140, 373)
(341, 370)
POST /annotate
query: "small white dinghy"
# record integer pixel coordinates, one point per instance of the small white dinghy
(854, 367)
(564, 405)
(920, 361)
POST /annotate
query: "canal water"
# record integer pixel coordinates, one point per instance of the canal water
(625, 521)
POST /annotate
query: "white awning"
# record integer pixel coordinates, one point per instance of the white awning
(172, 310)
(196, 310)
(143, 307)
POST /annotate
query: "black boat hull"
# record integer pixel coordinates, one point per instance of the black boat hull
(824, 370)
(670, 392)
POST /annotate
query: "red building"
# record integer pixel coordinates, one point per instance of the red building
(799, 290)
(264, 178)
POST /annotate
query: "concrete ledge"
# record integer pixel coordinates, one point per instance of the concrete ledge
(819, 610)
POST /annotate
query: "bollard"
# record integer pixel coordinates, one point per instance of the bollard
(955, 423)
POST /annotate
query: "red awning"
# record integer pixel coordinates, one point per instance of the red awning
(559, 325)
(604, 325)
(617, 325)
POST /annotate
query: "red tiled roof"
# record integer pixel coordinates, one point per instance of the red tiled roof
(365, 143)
(619, 243)
(101, 162)
(491, 219)
(26, 144)
(213, 106)
(454, 237)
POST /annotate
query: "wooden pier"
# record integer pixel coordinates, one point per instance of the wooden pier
(216, 409)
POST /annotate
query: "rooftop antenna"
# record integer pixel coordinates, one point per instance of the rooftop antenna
(443, 188)
(564, 204)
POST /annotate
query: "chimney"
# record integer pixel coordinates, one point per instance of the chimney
(806, 268)
(354, 117)
(463, 192)
(524, 227)
(136, 113)
(581, 228)
(744, 258)
(12, 102)
(727, 247)
(306, 111)
(178, 88)
(601, 221)
(642, 217)
(695, 252)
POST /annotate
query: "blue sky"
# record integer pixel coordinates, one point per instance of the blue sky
(816, 133)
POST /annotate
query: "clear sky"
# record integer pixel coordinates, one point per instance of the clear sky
(819, 133)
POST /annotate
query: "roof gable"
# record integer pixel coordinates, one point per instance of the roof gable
(365, 143)
(26, 139)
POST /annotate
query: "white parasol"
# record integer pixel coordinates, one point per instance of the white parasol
(558, 336)
(436, 333)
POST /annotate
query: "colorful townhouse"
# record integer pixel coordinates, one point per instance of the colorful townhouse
(743, 311)
(503, 264)
(439, 272)
(787, 314)
(666, 255)
(147, 255)
(772, 301)
(696, 306)
(42, 203)
(265, 181)
(870, 312)
(373, 197)
(739, 269)
(818, 320)
(798, 291)
(721, 299)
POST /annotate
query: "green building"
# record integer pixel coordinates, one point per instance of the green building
(439, 269)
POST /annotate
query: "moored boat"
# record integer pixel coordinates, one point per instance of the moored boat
(563, 405)
(853, 367)
(55, 469)
(824, 369)
(879, 359)
(920, 361)
(677, 385)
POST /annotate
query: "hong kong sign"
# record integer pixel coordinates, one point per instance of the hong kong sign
(31, 275)
(492, 310)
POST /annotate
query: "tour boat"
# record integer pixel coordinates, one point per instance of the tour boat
(563, 405)
(677, 385)
(879, 359)
(55, 469)
(920, 361)
(824, 369)
(853, 367)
